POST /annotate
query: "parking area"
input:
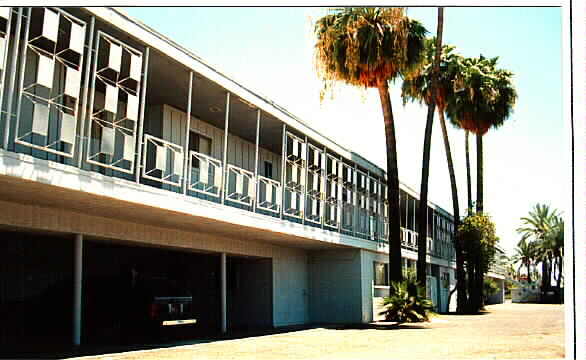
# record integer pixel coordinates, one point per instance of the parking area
(507, 331)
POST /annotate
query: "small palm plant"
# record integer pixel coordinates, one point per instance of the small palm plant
(407, 302)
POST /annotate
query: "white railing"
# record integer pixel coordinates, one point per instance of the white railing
(269, 194)
(239, 185)
(205, 174)
(162, 161)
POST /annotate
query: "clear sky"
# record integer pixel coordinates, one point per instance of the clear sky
(270, 50)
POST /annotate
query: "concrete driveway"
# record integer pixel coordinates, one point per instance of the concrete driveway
(508, 331)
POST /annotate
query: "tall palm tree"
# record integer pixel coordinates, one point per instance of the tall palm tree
(422, 210)
(417, 87)
(368, 47)
(484, 99)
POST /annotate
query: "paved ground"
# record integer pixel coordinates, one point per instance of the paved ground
(509, 331)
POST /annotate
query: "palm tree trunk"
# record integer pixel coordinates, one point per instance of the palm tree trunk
(528, 272)
(460, 274)
(468, 177)
(394, 240)
(479, 175)
(422, 211)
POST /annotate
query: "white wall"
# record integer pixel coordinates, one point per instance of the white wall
(240, 152)
(335, 286)
(290, 288)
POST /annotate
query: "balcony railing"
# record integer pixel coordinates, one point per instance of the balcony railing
(106, 79)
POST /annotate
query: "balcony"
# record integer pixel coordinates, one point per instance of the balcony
(117, 107)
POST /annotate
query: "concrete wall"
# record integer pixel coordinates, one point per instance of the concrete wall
(289, 264)
(499, 297)
(335, 286)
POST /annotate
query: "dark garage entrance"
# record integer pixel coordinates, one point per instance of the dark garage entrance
(122, 281)
(35, 290)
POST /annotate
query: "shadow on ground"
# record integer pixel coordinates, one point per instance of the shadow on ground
(52, 351)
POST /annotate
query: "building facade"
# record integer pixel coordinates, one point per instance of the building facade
(122, 153)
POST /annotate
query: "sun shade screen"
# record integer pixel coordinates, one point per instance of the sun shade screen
(4, 12)
(40, 119)
(303, 151)
(315, 182)
(269, 193)
(294, 174)
(72, 82)
(2, 50)
(332, 213)
(45, 71)
(111, 99)
(217, 176)
(50, 25)
(293, 201)
(316, 158)
(115, 57)
(295, 147)
(177, 163)
(76, 38)
(107, 143)
(203, 172)
(132, 107)
(161, 157)
(135, 67)
(250, 187)
(128, 153)
(67, 128)
(334, 167)
(314, 207)
(239, 184)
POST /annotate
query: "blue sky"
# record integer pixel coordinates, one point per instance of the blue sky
(269, 50)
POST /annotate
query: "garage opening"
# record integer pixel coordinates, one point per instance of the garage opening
(249, 293)
(35, 290)
(135, 294)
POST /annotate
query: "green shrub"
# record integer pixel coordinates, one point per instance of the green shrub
(407, 302)
(490, 287)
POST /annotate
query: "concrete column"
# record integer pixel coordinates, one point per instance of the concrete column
(77, 278)
(223, 292)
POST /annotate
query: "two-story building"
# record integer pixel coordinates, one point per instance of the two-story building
(123, 153)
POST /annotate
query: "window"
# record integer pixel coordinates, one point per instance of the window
(381, 274)
(268, 170)
(200, 143)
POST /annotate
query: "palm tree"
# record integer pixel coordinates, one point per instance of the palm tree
(417, 87)
(368, 47)
(484, 99)
(524, 254)
(536, 227)
(422, 210)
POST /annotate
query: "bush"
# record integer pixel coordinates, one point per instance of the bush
(490, 287)
(407, 302)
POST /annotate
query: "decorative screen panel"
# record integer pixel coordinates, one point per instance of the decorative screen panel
(51, 65)
(115, 104)
(162, 160)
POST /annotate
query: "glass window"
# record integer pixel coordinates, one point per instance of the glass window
(268, 170)
(381, 274)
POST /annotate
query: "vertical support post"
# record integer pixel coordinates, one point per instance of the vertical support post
(305, 168)
(324, 183)
(186, 153)
(256, 182)
(225, 154)
(355, 214)
(88, 66)
(367, 204)
(77, 284)
(22, 68)
(223, 293)
(145, 78)
(283, 168)
(5, 58)
(12, 77)
(341, 200)
(380, 211)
